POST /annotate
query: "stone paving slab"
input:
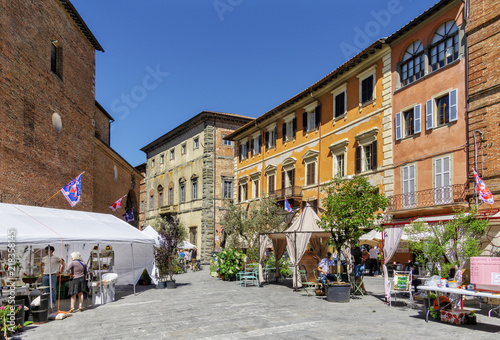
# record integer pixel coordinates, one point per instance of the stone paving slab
(203, 307)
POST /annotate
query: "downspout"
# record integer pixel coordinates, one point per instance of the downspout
(319, 150)
(466, 52)
(214, 178)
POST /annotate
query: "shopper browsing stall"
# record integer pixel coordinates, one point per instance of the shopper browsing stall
(77, 286)
(50, 271)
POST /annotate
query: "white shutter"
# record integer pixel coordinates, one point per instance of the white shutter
(446, 172)
(411, 178)
(417, 118)
(438, 173)
(454, 105)
(405, 180)
(398, 126)
(429, 114)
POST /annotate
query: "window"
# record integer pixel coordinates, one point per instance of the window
(162, 158)
(56, 58)
(311, 117)
(243, 192)
(289, 128)
(442, 180)
(444, 45)
(243, 150)
(413, 63)
(311, 173)
(409, 185)
(340, 104)
(172, 154)
(366, 151)
(182, 191)
(340, 165)
(339, 149)
(255, 145)
(170, 196)
(441, 110)
(152, 164)
(256, 189)
(196, 143)
(194, 188)
(183, 149)
(142, 206)
(227, 142)
(151, 202)
(193, 231)
(408, 123)
(270, 136)
(367, 85)
(270, 184)
(160, 196)
(367, 90)
(228, 189)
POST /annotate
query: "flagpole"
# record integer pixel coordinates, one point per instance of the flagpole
(58, 191)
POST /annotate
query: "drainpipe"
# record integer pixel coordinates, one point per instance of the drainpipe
(215, 177)
(319, 150)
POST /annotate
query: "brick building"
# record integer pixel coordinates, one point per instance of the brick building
(52, 127)
(142, 195)
(190, 171)
(483, 41)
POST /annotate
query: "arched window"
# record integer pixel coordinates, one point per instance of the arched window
(444, 45)
(413, 63)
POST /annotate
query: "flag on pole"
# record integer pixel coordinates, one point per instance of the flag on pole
(117, 204)
(287, 206)
(73, 190)
(129, 215)
(482, 189)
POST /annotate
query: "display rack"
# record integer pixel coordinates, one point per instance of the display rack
(102, 263)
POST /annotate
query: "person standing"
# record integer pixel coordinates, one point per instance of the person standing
(50, 271)
(374, 260)
(77, 286)
(193, 254)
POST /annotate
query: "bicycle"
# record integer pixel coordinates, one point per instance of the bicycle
(197, 265)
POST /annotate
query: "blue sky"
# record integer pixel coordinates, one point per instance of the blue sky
(167, 60)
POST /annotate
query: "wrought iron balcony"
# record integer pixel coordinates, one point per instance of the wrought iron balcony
(429, 198)
(289, 192)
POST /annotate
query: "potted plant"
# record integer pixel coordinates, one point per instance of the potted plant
(351, 205)
(170, 233)
(231, 261)
(9, 321)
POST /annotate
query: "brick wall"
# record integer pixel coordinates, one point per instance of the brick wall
(484, 91)
(36, 160)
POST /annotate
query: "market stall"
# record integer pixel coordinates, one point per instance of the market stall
(29, 228)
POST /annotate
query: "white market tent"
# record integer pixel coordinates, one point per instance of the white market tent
(70, 230)
(303, 231)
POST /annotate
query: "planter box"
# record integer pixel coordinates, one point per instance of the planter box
(161, 285)
(338, 293)
(170, 284)
(454, 316)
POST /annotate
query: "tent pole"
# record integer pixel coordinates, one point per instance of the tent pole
(50, 279)
(133, 266)
(100, 272)
(295, 266)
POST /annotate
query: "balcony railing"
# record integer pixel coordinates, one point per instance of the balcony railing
(287, 192)
(169, 209)
(428, 198)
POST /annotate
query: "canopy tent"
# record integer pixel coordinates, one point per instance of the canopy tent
(185, 245)
(70, 230)
(303, 231)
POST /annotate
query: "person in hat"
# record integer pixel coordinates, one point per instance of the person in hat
(50, 271)
(77, 286)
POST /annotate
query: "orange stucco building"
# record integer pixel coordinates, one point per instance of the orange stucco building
(429, 113)
(339, 125)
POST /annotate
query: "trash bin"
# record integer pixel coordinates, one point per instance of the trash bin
(40, 316)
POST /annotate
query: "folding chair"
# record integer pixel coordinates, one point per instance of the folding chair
(357, 286)
(401, 283)
(308, 286)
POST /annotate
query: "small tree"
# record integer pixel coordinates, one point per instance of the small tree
(458, 240)
(349, 207)
(170, 233)
(242, 226)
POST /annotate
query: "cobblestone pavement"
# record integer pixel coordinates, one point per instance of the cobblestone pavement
(203, 307)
